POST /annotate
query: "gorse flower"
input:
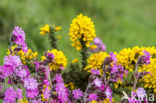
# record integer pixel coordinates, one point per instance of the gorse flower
(81, 30)
(45, 29)
(58, 28)
(75, 60)
(95, 61)
(59, 62)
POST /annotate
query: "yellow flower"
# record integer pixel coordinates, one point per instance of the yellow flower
(92, 47)
(71, 86)
(94, 101)
(22, 101)
(106, 100)
(45, 29)
(95, 61)
(60, 61)
(58, 28)
(75, 60)
(81, 29)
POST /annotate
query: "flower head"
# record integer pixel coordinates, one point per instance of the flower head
(81, 29)
(95, 71)
(140, 93)
(45, 29)
(32, 93)
(92, 97)
(59, 62)
(97, 82)
(10, 95)
(30, 83)
(18, 36)
(77, 94)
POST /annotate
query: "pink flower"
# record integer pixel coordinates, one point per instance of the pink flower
(30, 84)
(97, 82)
(77, 94)
(92, 97)
(19, 93)
(10, 95)
(95, 71)
(32, 93)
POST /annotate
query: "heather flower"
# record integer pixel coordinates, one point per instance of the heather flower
(61, 92)
(95, 71)
(97, 82)
(10, 95)
(77, 94)
(141, 93)
(102, 47)
(18, 36)
(21, 72)
(113, 56)
(12, 60)
(46, 93)
(32, 93)
(92, 97)
(97, 41)
(19, 93)
(59, 78)
(30, 83)
(108, 93)
(114, 68)
(147, 57)
(6, 70)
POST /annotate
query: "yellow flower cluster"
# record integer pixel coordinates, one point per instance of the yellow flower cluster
(75, 60)
(60, 61)
(25, 56)
(129, 56)
(22, 101)
(82, 28)
(45, 29)
(95, 61)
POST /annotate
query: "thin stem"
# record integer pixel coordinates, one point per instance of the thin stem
(53, 40)
(135, 76)
(84, 54)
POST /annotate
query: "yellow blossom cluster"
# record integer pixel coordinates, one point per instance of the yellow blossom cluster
(81, 29)
(129, 56)
(95, 61)
(60, 61)
(25, 56)
(105, 101)
(45, 29)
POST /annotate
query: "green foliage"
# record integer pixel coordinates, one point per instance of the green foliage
(120, 23)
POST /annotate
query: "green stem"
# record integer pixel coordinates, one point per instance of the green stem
(84, 54)
(53, 40)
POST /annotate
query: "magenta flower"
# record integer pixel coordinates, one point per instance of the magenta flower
(92, 97)
(113, 56)
(61, 92)
(97, 82)
(18, 36)
(147, 57)
(97, 41)
(30, 84)
(32, 93)
(103, 47)
(12, 60)
(59, 78)
(95, 71)
(19, 93)
(46, 92)
(22, 72)
(10, 95)
(77, 94)
(6, 70)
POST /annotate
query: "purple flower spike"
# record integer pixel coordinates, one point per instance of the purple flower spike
(18, 36)
(97, 41)
(147, 57)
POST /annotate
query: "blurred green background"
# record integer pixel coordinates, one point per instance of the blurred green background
(119, 23)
